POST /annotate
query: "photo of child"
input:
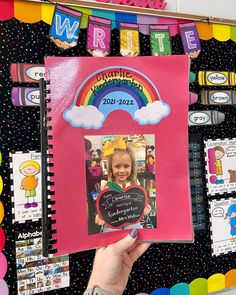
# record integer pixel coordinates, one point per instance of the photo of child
(122, 167)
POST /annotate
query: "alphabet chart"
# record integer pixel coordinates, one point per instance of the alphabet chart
(35, 273)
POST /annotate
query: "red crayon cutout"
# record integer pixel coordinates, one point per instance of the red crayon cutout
(27, 72)
(25, 96)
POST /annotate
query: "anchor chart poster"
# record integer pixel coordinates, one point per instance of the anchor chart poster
(117, 126)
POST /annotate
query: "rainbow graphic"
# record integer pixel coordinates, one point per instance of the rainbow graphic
(116, 88)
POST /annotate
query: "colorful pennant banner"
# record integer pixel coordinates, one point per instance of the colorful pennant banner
(65, 27)
(129, 39)
(64, 31)
(160, 40)
(190, 39)
(99, 36)
(41, 11)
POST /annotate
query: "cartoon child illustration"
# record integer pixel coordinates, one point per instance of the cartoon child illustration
(231, 214)
(219, 153)
(29, 183)
(122, 171)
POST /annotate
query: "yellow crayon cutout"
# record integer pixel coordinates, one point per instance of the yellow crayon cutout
(215, 78)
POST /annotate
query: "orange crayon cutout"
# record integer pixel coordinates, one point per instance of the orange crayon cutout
(30, 73)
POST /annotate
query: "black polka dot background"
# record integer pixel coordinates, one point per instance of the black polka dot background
(163, 265)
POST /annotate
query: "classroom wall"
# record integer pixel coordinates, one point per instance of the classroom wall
(163, 265)
(215, 8)
(210, 8)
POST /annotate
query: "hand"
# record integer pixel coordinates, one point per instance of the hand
(99, 221)
(147, 210)
(113, 264)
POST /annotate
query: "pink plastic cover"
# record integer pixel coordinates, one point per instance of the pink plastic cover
(169, 74)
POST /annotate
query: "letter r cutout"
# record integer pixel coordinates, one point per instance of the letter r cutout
(99, 35)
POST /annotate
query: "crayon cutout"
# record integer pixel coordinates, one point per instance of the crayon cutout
(192, 77)
(198, 118)
(25, 96)
(218, 97)
(215, 78)
(34, 72)
(193, 97)
(30, 73)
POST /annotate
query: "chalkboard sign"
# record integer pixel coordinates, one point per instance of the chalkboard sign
(118, 208)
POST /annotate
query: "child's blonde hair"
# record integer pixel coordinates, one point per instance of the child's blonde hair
(133, 176)
(30, 163)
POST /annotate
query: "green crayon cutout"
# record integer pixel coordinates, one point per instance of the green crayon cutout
(192, 77)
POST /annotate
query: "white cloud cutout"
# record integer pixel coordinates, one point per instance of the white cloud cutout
(85, 117)
(152, 113)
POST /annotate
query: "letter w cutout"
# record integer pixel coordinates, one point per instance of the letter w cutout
(70, 31)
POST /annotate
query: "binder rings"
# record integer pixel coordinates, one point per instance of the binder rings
(96, 109)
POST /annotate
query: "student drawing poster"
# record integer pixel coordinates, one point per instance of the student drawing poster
(102, 101)
(26, 186)
(223, 225)
(221, 165)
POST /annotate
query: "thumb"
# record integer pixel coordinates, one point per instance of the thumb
(127, 242)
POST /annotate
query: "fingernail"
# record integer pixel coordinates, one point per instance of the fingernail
(133, 233)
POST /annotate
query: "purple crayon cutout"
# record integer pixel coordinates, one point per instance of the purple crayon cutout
(25, 96)
(28, 96)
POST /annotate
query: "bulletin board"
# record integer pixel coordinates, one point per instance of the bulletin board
(165, 268)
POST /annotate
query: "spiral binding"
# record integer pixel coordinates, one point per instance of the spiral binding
(49, 222)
